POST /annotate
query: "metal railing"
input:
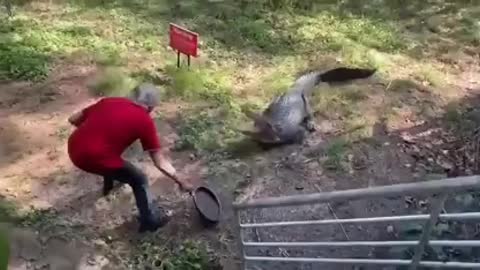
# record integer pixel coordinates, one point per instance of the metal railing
(441, 188)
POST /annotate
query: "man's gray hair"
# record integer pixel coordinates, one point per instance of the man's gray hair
(146, 94)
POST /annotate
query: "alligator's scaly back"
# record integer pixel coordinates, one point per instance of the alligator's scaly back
(306, 83)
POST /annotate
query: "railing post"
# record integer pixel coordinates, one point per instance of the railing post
(427, 230)
(236, 213)
(440, 188)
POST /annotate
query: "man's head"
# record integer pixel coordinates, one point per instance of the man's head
(146, 94)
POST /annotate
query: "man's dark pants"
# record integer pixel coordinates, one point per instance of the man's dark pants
(131, 175)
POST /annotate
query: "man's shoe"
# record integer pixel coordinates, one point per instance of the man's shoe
(107, 186)
(153, 224)
(159, 219)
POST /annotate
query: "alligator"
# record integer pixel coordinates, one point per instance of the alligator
(289, 116)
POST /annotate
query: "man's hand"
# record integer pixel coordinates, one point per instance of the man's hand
(167, 168)
(185, 186)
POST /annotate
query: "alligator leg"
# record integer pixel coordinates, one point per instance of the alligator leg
(300, 136)
(308, 121)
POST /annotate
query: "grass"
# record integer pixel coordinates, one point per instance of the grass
(30, 45)
(10, 214)
(4, 250)
(461, 121)
(206, 130)
(432, 76)
(113, 81)
(335, 155)
(189, 255)
(8, 211)
(198, 84)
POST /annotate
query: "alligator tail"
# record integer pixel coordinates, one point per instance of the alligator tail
(306, 83)
(343, 74)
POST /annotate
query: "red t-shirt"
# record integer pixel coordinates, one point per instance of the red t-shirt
(106, 129)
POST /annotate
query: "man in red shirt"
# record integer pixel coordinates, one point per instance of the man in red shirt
(105, 129)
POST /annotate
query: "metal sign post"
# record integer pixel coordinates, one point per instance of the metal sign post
(183, 41)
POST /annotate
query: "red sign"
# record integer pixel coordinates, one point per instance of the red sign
(183, 40)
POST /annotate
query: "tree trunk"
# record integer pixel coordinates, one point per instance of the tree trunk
(8, 7)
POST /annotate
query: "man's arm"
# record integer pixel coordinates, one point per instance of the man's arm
(164, 165)
(151, 143)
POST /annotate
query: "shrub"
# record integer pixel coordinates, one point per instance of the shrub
(22, 62)
(190, 256)
(113, 82)
(204, 131)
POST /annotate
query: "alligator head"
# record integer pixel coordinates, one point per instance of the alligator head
(264, 131)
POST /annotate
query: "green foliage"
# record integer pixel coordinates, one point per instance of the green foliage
(28, 46)
(269, 27)
(8, 211)
(113, 82)
(147, 254)
(276, 83)
(190, 256)
(459, 121)
(19, 56)
(204, 131)
(38, 218)
(9, 214)
(290, 4)
(21, 62)
(258, 33)
(4, 249)
(201, 84)
(186, 83)
(333, 32)
(109, 56)
(432, 76)
(335, 154)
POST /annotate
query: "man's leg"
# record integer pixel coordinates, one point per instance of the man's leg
(133, 176)
(109, 185)
(308, 122)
